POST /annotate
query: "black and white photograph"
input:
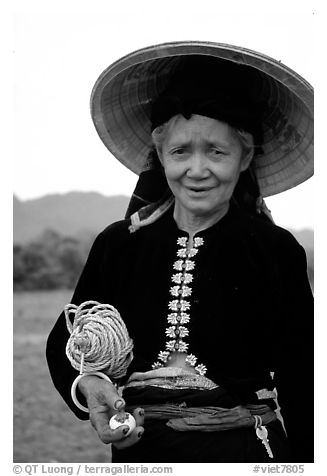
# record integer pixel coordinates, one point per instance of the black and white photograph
(163, 237)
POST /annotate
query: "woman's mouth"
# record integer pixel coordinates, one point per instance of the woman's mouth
(198, 191)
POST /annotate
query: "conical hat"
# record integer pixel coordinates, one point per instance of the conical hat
(122, 97)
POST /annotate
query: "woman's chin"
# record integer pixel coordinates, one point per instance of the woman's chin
(201, 206)
(200, 209)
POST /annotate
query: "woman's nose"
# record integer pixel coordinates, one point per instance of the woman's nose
(197, 168)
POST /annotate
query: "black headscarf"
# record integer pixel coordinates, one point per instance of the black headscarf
(214, 88)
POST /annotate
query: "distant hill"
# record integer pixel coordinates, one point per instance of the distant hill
(82, 214)
(72, 214)
(305, 237)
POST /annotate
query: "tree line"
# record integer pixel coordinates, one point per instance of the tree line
(52, 261)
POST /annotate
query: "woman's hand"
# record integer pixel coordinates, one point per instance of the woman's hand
(103, 402)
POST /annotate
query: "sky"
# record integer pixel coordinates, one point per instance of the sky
(60, 48)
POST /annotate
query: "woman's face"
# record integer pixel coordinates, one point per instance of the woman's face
(202, 159)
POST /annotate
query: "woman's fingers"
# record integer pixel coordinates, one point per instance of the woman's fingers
(99, 421)
(136, 434)
(138, 414)
(131, 439)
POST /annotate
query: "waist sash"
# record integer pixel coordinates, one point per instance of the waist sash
(183, 418)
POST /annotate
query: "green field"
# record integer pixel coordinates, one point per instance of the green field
(45, 430)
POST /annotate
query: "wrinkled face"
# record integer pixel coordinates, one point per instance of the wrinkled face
(202, 159)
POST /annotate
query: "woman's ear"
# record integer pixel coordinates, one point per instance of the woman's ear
(247, 159)
(159, 155)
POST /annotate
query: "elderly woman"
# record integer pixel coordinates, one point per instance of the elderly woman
(215, 297)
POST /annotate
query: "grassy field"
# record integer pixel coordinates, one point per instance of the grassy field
(45, 430)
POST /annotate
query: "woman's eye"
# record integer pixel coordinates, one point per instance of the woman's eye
(179, 151)
(216, 152)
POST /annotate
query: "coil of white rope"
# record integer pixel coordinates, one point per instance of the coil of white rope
(98, 339)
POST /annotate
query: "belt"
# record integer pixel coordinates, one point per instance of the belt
(183, 418)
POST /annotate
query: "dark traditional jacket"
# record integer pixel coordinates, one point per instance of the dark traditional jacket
(251, 309)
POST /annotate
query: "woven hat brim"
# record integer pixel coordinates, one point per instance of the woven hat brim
(122, 96)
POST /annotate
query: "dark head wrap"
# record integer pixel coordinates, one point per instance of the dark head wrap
(213, 88)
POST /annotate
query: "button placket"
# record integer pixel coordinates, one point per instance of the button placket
(179, 317)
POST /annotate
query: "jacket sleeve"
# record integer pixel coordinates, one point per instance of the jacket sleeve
(89, 287)
(294, 360)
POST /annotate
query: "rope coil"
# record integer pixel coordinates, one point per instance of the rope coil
(98, 339)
